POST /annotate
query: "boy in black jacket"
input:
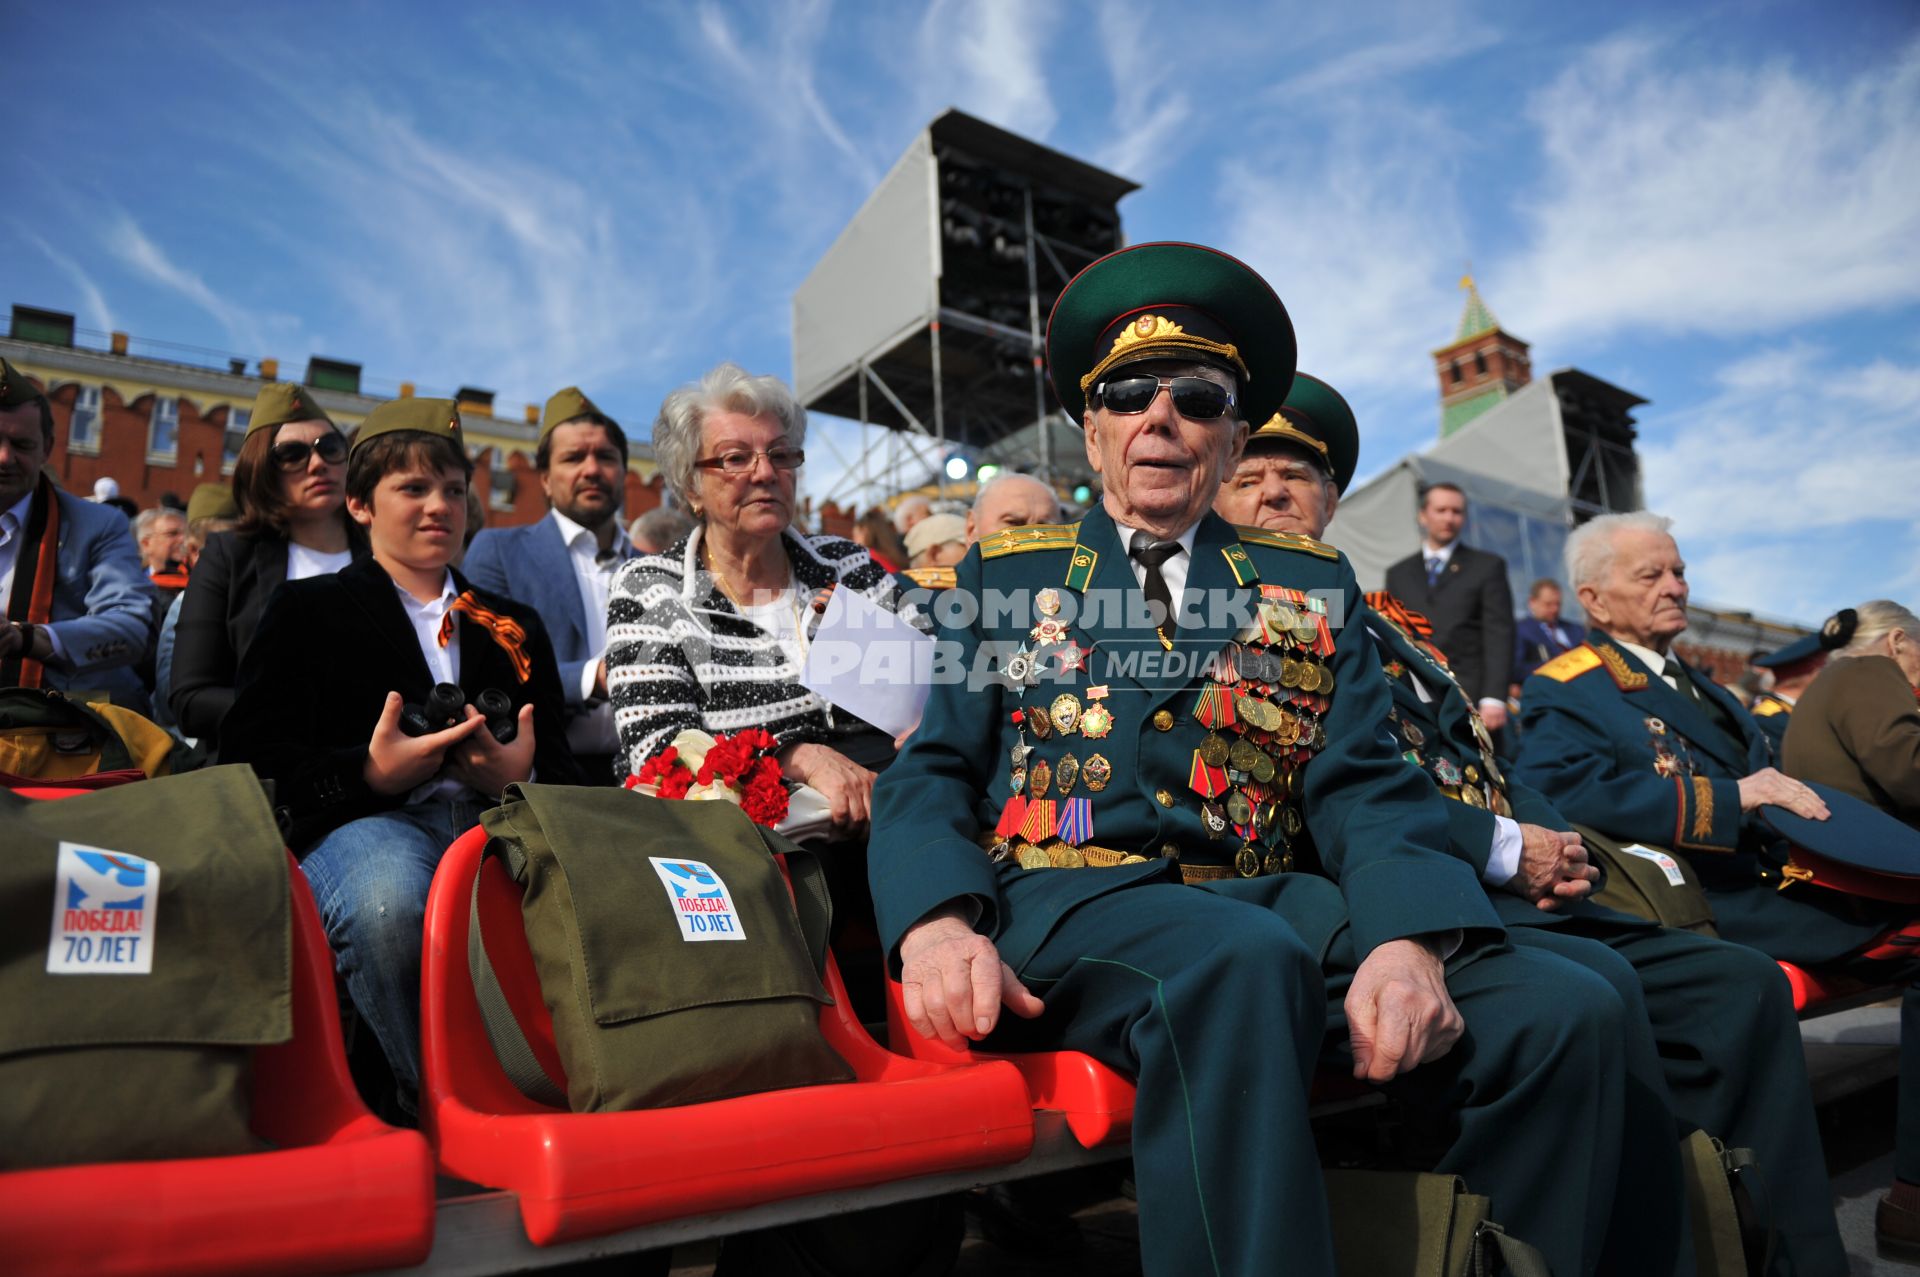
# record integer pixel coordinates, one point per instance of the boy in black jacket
(325, 690)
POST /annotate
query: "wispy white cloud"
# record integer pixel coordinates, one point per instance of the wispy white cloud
(95, 310)
(990, 56)
(1436, 37)
(1721, 197)
(1792, 485)
(138, 252)
(1149, 112)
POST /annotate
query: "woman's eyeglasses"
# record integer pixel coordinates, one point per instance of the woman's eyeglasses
(738, 461)
(1194, 398)
(293, 454)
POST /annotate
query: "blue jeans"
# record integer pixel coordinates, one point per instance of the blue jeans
(370, 879)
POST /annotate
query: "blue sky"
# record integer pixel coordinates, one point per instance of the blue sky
(1716, 206)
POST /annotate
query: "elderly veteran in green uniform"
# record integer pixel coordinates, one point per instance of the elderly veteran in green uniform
(1730, 1066)
(1792, 669)
(1861, 733)
(1622, 736)
(1196, 878)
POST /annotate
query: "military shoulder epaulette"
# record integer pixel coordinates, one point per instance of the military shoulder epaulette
(1569, 665)
(1037, 536)
(1250, 535)
(1767, 707)
(943, 578)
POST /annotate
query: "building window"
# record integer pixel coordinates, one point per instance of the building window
(237, 422)
(1480, 363)
(163, 429)
(83, 427)
(501, 489)
(1455, 369)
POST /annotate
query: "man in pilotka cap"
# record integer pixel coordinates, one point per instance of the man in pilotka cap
(563, 565)
(1215, 880)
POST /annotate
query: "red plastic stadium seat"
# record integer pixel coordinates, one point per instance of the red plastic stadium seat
(586, 1174)
(341, 1190)
(1096, 1101)
(1814, 990)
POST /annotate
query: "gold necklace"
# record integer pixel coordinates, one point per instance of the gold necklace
(792, 593)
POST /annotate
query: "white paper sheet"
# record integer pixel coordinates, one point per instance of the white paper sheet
(867, 661)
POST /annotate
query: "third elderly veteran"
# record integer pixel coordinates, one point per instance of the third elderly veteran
(1730, 1066)
(1622, 736)
(1201, 881)
(713, 632)
(1858, 725)
(563, 565)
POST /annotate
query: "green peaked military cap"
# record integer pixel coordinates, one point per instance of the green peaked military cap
(1834, 634)
(15, 389)
(211, 501)
(568, 405)
(1316, 418)
(1170, 300)
(282, 401)
(422, 416)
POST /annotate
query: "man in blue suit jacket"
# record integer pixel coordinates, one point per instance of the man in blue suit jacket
(1543, 635)
(80, 611)
(563, 566)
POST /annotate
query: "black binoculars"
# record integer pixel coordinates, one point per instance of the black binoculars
(445, 708)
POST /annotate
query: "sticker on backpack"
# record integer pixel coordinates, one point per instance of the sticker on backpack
(699, 899)
(1667, 863)
(104, 904)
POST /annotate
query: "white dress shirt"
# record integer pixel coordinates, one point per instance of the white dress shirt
(442, 662)
(1173, 571)
(1651, 659)
(593, 732)
(13, 526)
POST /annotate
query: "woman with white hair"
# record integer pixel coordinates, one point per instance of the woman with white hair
(712, 633)
(1857, 727)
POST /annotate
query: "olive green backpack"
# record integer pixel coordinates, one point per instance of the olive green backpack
(145, 949)
(1650, 883)
(669, 950)
(1417, 1224)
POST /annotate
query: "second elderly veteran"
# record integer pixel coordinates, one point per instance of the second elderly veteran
(713, 632)
(1730, 1066)
(1620, 735)
(1202, 879)
(1010, 501)
(1858, 728)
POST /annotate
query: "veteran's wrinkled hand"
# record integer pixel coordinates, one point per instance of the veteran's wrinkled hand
(1399, 1015)
(1768, 786)
(1553, 868)
(955, 983)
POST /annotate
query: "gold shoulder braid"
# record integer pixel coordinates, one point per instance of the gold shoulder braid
(1629, 680)
(1038, 536)
(1250, 535)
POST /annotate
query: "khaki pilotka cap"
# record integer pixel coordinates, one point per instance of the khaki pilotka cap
(211, 501)
(15, 390)
(423, 416)
(281, 402)
(567, 405)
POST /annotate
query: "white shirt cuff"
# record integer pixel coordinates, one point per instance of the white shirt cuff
(589, 676)
(1503, 862)
(1492, 700)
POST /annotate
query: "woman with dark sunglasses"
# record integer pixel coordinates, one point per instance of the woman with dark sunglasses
(289, 481)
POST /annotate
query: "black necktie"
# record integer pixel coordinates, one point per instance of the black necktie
(1151, 554)
(1683, 683)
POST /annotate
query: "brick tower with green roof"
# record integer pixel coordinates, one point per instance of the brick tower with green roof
(1481, 366)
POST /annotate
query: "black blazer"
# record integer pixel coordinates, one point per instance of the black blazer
(313, 684)
(226, 594)
(1471, 607)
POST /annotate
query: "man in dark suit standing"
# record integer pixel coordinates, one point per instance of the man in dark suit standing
(1464, 593)
(563, 566)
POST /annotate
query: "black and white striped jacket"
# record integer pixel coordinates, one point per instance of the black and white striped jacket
(680, 655)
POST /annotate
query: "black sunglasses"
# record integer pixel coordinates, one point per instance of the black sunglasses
(1194, 398)
(293, 454)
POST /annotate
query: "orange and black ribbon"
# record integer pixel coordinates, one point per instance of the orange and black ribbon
(507, 632)
(1415, 625)
(36, 568)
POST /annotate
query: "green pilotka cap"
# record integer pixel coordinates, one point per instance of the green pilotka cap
(280, 402)
(424, 416)
(211, 501)
(15, 390)
(567, 405)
